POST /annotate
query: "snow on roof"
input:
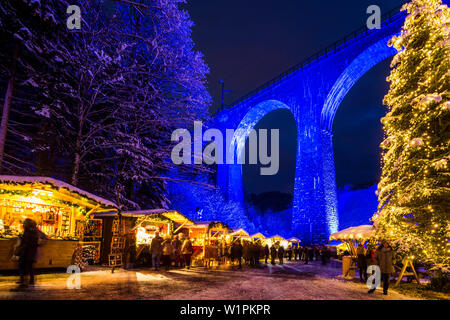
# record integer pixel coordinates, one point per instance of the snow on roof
(359, 232)
(258, 235)
(57, 184)
(240, 232)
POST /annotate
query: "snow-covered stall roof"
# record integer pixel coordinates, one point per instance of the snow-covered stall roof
(173, 215)
(240, 232)
(354, 233)
(294, 239)
(277, 237)
(56, 185)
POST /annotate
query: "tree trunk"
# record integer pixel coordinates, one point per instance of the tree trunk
(7, 106)
(76, 168)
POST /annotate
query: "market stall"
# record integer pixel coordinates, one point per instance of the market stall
(260, 237)
(61, 211)
(278, 239)
(294, 242)
(350, 238)
(239, 234)
(214, 241)
(140, 227)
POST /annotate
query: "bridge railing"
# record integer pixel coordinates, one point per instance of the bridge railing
(344, 42)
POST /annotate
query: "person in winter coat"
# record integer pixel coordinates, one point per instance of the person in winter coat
(281, 254)
(156, 250)
(30, 240)
(266, 252)
(236, 252)
(289, 252)
(273, 253)
(383, 257)
(187, 251)
(176, 243)
(167, 252)
(362, 264)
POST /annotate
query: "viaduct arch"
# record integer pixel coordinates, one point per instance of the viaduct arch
(313, 92)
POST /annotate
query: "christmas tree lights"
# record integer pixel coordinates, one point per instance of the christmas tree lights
(414, 190)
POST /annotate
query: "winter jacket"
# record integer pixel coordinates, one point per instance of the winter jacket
(29, 243)
(236, 250)
(266, 250)
(384, 257)
(186, 248)
(273, 252)
(281, 252)
(156, 245)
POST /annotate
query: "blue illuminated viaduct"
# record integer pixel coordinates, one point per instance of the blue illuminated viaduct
(313, 92)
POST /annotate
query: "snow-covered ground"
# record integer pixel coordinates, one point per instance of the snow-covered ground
(292, 281)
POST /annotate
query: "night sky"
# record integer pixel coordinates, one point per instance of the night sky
(248, 42)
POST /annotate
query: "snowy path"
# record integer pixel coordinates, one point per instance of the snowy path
(291, 281)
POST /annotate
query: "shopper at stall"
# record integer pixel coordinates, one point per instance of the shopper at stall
(281, 253)
(236, 252)
(156, 250)
(30, 240)
(383, 257)
(289, 253)
(167, 252)
(273, 253)
(296, 253)
(266, 252)
(176, 243)
(186, 252)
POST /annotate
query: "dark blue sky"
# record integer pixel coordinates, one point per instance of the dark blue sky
(248, 42)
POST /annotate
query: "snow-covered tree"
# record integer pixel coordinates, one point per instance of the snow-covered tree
(32, 38)
(414, 191)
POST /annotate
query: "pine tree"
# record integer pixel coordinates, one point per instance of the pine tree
(414, 190)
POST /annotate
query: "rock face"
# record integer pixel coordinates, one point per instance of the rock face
(356, 207)
(313, 94)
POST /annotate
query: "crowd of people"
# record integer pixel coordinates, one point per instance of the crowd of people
(177, 251)
(251, 252)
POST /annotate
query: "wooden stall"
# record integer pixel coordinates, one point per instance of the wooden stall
(211, 238)
(239, 234)
(61, 211)
(282, 241)
(350, 238)
(261, 238)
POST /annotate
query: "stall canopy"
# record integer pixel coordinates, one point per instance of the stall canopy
(277, 238)
(294, 240)
(364, 232)
(163, 214)
(46, 189)
(258, 236)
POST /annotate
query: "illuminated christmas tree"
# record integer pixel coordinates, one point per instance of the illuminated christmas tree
(414, 190)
